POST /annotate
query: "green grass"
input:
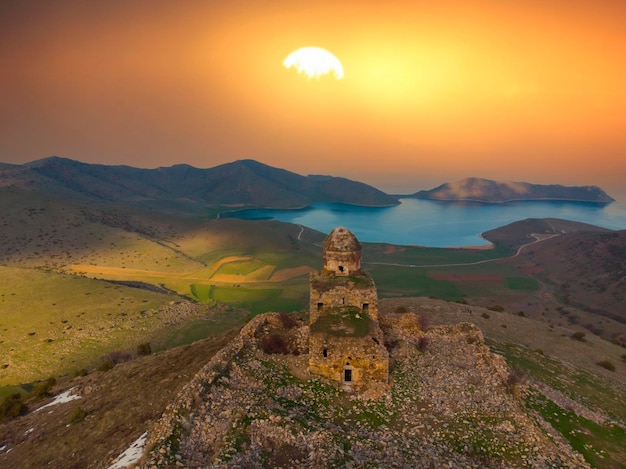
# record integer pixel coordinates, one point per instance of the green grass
(576, 383)
(521, 283)
(420, 256)
(240, 267)
(347, 321)
(261, 299)
(601, 445)
(53, 323)
(404, 281)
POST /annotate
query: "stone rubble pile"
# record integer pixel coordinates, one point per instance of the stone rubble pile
(447, 405)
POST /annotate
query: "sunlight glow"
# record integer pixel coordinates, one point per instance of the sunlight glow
(314, 62)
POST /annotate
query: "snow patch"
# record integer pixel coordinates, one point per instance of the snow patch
(29, 431)
(62, 398)
(132, 454)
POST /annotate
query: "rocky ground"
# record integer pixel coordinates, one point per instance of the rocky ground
(450, 403)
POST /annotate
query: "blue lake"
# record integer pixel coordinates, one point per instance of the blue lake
(437, 224)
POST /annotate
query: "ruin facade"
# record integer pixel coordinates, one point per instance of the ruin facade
(345, 339)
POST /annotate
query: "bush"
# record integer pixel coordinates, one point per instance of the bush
(77, 416)
(12, 406)
(401, 309)
(521, 314)
(106, 364)
(144, 349)
(42, 390)
(81, 372)
(580, 336)
(422, 343)
(485, 315)
(274, 343)
(609, 365)
(119, 356)
(287, 320)
(515, 378)
(111, 359)
(624, 357)
(497, 308)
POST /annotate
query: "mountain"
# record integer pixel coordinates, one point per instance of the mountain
(183, 187)
(485, 190)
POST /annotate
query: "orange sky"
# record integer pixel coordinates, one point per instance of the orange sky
(434, 91)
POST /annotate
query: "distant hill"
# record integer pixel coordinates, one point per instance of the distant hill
(587, 269)
(185, 188)
(485, 190)
(525, 231)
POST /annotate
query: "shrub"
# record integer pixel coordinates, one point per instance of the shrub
(77, 416)
(81, 372)
(515, 378)
(12, 406)
(119, 356)
(106, 364)
(43, 389)
(497, 308)
(580, 336)
(624, 357)
(485, 315)
(144, 349)
(274, 343)
(422, 343)
(521, 314)
(607, 364)
(401, 309)
(287, 320)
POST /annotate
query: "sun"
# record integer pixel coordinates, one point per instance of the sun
(314, 62)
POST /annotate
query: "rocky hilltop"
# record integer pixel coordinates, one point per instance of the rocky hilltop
(450, 402)
(485, 190)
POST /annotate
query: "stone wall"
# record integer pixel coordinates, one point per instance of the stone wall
(365, 357)
(343, 295)
(342, 263)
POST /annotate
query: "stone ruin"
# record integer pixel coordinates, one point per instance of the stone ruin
(345, 338)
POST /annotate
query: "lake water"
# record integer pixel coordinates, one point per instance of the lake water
(437, 224)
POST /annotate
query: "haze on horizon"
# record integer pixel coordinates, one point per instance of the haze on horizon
(523, 90)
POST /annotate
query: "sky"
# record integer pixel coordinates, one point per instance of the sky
(434, 91)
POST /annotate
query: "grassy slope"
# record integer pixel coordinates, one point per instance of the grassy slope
(549, 356)
(120, 404)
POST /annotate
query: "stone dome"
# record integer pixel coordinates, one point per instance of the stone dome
(342, 240)
(342, 253)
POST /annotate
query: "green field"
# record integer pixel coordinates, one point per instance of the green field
(406, 281)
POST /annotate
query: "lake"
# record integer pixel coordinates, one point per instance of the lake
(434, 223)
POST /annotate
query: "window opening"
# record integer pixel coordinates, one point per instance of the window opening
(320, 306)
(325, 352)
(347, 375)
(340, 268)
(366, 306)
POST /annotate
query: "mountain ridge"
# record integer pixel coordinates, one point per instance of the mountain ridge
(239, 183)
(475, 189)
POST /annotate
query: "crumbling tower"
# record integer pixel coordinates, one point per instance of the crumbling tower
(345, 339)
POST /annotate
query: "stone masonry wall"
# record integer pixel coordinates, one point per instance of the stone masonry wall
(343, 296)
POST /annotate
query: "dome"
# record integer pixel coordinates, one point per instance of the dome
(342, 240)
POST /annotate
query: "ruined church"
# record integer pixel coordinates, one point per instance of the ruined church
(345, 339)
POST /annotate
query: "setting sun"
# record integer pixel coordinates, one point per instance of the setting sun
(314, 62)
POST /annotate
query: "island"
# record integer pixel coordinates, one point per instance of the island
(488, 191)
